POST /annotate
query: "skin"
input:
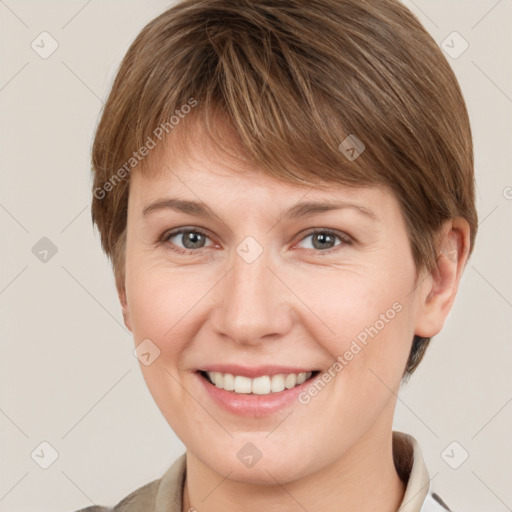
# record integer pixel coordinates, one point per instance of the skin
(296, 304)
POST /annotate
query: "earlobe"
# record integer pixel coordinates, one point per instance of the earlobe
(440, 288)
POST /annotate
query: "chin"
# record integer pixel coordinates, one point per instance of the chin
(278, 466)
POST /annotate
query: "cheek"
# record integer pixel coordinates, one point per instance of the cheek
(161, 305)
(166, 306)
(366, 325)
(149, 305)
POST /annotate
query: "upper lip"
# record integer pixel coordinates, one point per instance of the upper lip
(254, 371)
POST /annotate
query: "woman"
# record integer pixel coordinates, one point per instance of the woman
(286, 192)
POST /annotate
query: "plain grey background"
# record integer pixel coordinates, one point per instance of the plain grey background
(68, 374)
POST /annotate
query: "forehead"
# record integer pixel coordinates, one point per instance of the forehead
(191, 165)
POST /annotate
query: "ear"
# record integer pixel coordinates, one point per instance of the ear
(438, 290)
(121, 292)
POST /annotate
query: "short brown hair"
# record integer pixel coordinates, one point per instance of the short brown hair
(294, 79)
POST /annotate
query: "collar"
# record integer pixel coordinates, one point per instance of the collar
(412, 470)
(408, 462)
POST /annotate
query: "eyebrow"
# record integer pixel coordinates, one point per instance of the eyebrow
(299, 210)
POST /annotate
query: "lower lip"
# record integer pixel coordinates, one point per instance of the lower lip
(253, 404)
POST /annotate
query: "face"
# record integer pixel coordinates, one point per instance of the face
(259, 287)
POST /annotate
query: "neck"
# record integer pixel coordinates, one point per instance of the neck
(363, 480)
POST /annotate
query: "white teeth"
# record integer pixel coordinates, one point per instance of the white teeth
(290, 381)
(229, 382)
(277, 383)
(242, 384)
(218, 379)
(301, 378)
(263, 385)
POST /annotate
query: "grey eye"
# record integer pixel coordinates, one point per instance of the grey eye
(322, 240)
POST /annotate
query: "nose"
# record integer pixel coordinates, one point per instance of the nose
(253, 303)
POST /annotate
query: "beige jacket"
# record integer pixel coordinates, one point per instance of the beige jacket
(165, 494)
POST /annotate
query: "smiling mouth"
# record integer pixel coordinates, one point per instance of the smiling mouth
(264, 385)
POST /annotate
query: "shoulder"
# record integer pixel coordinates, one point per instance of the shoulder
(143, 498)
(167, 491)
(94, 508)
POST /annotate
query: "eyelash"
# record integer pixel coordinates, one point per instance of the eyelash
(345, 239)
